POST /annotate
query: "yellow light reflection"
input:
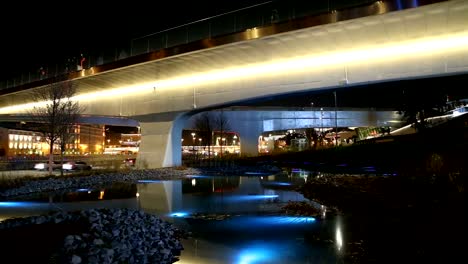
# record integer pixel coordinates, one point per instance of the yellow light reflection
(365, 54)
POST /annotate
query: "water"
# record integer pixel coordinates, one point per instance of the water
(233, 219)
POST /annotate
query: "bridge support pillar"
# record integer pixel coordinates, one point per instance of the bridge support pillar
(249, 131)
(160, 144)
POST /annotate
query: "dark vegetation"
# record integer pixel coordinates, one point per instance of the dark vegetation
(402, 197)
(441, 150)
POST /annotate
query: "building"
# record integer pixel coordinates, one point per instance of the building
(83, 140)
(196, 142)
(86, 140)
(15, 142)
(127, 144)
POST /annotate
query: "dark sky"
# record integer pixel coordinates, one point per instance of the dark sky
(36, 32)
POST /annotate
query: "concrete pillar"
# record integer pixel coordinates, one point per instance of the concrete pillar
(160, 144)
(249, 131)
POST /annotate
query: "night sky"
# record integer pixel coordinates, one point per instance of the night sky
(35, 33)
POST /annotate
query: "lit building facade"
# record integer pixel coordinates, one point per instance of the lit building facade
(127, 144)
(14, 142)
(195, 142)
(84, 139)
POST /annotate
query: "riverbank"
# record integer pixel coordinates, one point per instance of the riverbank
(99, 235)
(395, 219)
(90, 236)
(392, 218)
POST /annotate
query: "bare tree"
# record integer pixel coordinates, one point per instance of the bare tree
(56, 115)
(222, 125)
(311, 136)
(205, 124)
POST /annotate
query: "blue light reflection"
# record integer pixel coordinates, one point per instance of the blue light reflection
(243, 198)
(257, 254)
(263, 221)
(262, 252)
(277, 183)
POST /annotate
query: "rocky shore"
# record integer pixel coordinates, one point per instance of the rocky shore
(98, 235)
(95, 181)
(102, 236)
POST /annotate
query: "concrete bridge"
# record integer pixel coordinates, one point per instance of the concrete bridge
(162, 92)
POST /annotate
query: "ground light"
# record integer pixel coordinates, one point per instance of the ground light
(19, 204)
(83, 190)
(149, 181)
(179, 214)
(197, 176)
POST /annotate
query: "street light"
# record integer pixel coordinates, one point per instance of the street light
(193, 141)
(313, 113)
(336, 120)
(321, 120)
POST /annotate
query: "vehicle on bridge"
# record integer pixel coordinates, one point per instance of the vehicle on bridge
(56, 165)
(129, 162)
(76, 165)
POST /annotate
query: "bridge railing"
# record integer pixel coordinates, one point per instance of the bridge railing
(260, 15)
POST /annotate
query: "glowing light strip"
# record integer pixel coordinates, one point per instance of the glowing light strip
(426, 46)
(408, 49)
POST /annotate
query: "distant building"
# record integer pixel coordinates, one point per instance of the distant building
(128, 144)
(196, 142)
(84, 139)
(130, 140)
(14, 142)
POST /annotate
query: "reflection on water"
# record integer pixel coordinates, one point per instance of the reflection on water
(233, 219)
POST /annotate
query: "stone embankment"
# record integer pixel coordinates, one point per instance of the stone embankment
(96, 181)
(110, 236)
